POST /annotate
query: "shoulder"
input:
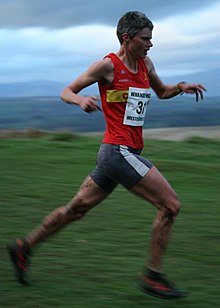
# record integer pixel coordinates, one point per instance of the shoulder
(107, 64)
(102, 67)
(102, 71)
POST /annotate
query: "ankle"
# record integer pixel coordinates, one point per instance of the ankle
(26, 245)
(153, 274)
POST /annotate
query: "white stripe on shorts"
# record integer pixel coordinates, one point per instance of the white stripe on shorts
(133, 161)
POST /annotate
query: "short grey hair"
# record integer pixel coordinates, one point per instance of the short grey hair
(131, 23)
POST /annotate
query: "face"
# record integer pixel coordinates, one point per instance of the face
(141, 43)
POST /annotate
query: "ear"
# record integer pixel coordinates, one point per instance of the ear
(125, 37)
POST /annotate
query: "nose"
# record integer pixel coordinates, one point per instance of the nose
(150, 44)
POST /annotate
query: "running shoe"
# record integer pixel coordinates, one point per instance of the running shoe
(19, 252)
(160, 287)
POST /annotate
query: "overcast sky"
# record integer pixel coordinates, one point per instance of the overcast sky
(57, 40)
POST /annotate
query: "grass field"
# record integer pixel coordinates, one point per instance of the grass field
(96, 261)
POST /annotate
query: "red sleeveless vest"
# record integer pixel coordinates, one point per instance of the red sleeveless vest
(114, 100)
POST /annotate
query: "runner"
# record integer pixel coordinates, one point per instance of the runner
(124, 79)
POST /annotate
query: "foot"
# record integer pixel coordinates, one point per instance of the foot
(160, 287)
(19, 252)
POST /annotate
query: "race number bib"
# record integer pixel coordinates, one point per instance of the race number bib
(137, 103)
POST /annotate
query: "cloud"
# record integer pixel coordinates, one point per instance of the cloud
(50, 54)
(188, 43)
(54, 40)
(68, 13)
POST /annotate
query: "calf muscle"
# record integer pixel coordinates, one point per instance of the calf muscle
(155, 189)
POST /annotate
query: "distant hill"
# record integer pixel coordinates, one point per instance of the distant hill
(50, 113)
(211, 80)
(31, 88)
(37, 88)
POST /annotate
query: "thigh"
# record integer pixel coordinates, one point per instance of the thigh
(88, 195)
(155, 189)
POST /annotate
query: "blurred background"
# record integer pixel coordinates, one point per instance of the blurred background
(44, 159)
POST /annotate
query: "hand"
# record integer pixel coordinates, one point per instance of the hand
(89, 104)
(196, 89)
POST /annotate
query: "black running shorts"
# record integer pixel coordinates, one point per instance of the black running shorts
(119, 164)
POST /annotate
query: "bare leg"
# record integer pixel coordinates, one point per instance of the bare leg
(87, 197)
(155, 188)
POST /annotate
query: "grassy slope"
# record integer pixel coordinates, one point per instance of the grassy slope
(49, 113)
(95, 262)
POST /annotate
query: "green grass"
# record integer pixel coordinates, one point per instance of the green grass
(96, 261)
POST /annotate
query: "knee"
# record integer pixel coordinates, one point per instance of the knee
(176, 205)
(172, 207)
(78, 209)
(66, 214)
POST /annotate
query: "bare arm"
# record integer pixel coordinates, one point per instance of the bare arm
(98, 71)
(167, 91)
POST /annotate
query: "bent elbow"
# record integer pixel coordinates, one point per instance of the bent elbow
(161, 95)
(63, 95)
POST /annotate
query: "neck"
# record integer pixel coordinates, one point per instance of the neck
(128, 59)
